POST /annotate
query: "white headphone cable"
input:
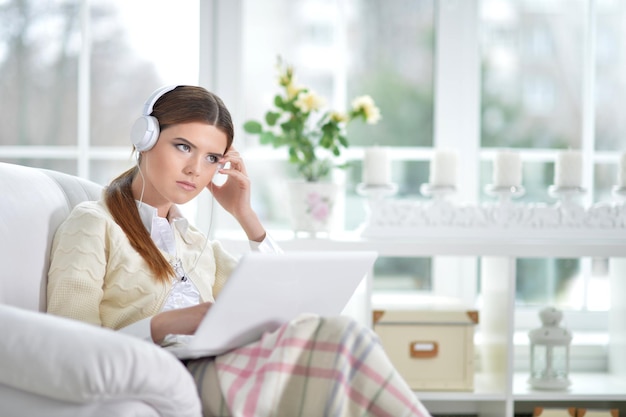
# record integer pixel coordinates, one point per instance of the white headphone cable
(206, 240)
(143, 179)
(208, 233)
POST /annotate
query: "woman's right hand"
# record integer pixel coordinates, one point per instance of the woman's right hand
(234, 195)
(180, 321)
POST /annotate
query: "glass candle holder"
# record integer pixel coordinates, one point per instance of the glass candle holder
(437, 192)
(619, 192)
(376, 191)
(566, 195)
(504, 194)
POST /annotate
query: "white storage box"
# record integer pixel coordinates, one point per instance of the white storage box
(432, 349)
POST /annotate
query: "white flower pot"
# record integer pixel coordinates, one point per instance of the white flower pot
(315, 206)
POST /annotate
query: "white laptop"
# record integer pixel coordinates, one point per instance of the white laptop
(267, 290)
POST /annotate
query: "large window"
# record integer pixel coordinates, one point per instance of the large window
(537, 76)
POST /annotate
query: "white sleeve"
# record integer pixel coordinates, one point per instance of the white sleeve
(267, 245)
(140, 329)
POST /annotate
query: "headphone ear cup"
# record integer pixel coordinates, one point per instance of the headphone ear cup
(144, 133)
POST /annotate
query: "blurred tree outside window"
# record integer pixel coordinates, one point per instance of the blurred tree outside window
(40, 47)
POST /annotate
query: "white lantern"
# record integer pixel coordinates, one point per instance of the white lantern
(549, 352)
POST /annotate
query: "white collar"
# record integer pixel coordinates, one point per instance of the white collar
(147, 213)
(174, 216)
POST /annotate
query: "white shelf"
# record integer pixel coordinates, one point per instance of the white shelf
(486, 388)
(503, 245)
(585, 387)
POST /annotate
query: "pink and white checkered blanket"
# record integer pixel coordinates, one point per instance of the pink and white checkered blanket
(309, 367)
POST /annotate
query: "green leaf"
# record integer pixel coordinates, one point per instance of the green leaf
(279, 102)
(326, 141)
(293, 156)
(271, 118)
(292, 124)
(280, 141)
(253, 127)
(267, 138)
(329, 128)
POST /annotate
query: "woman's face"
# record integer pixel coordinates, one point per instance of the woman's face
(183, 162)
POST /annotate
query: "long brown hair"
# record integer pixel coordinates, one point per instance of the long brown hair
(182, 105)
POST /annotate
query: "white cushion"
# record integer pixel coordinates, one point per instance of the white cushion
(67, 360)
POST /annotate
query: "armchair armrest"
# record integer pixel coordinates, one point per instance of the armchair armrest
(72, 361)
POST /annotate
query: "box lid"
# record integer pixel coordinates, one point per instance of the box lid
(425, 317)
(421, 308)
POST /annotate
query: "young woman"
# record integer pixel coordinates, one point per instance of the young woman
(131, 262)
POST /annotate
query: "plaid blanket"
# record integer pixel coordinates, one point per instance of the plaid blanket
(311, 366)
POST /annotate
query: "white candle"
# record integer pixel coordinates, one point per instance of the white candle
(376, 166)
(507, 169)
(568, 169)
(443, 169)
(621, 176)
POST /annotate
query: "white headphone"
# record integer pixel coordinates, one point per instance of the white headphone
(145, 130)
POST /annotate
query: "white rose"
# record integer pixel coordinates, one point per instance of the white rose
(338, 117)
(367, 106)
(308, 101)
(293, 90)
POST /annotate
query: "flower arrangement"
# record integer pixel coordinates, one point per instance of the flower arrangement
(312, 136)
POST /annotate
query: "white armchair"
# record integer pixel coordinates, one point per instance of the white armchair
(59, 367)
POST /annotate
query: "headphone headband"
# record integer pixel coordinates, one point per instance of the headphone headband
(149, 104)
(145, 131)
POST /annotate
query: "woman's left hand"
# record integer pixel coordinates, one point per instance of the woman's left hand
(234, 194)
